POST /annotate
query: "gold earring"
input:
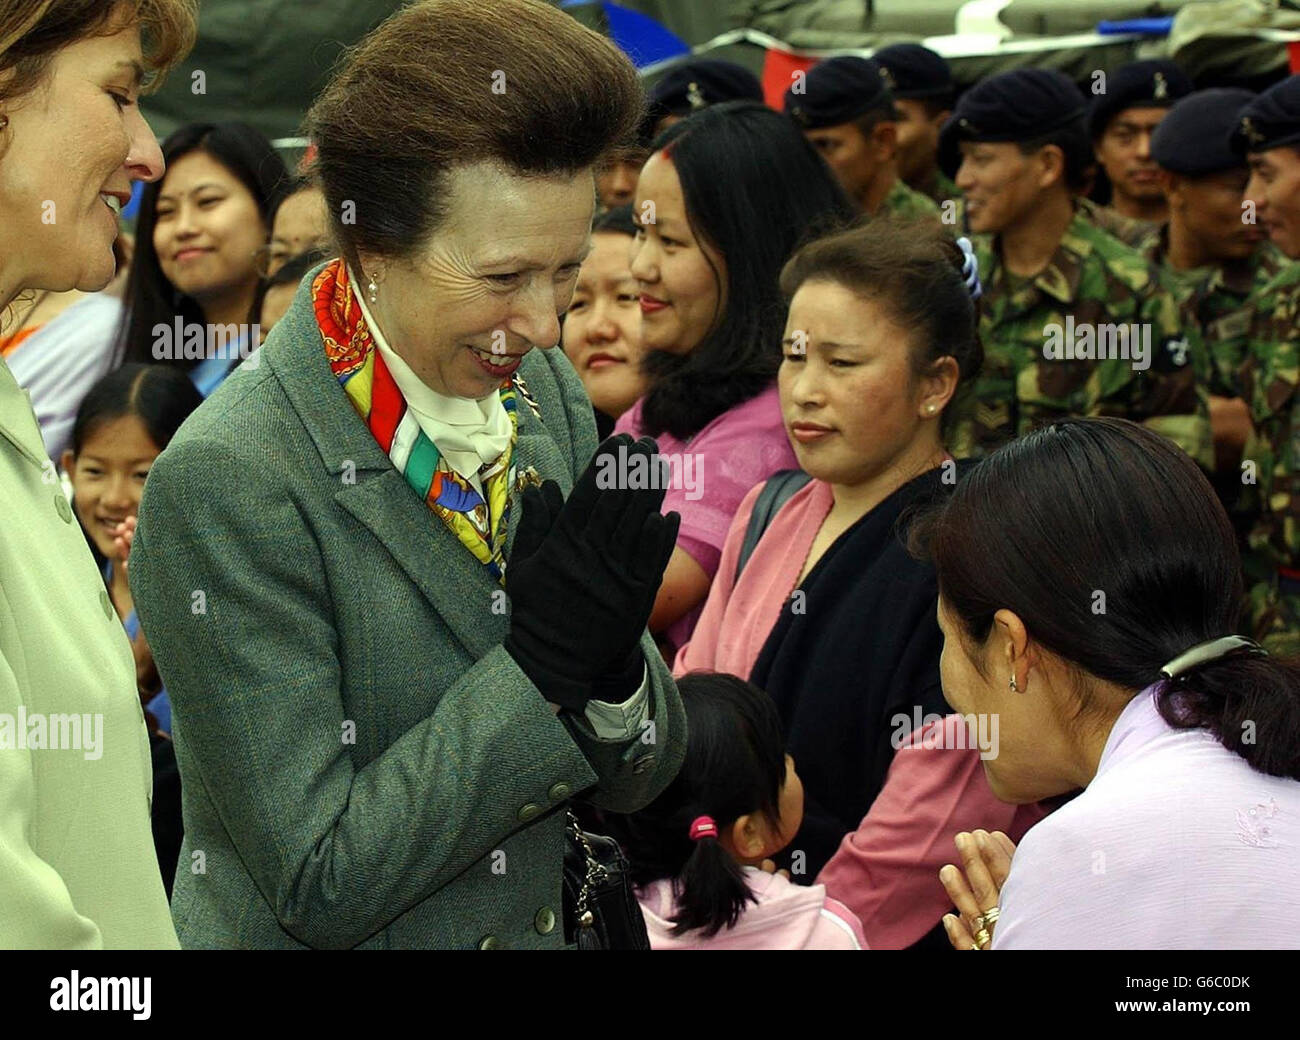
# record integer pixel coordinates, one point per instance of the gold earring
(1013, 685)
(4, 121)
(929, 409)
(373, 290)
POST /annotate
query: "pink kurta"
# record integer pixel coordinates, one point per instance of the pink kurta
(714, 470)
(738, 616)
(887, 871)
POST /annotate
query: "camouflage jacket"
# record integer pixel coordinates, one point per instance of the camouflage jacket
(1269, 380)
(903, 201)
(1129, 230)
(1219, 299)
(1094, 333)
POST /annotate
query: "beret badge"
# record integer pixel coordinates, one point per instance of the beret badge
(1160, 87)
(694, 97)
(1250, 132)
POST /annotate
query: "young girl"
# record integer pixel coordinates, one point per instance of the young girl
(123, 424)
(696, 850)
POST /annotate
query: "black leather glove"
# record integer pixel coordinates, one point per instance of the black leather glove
(582, 579)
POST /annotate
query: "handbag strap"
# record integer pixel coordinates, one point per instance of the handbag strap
(778, 490)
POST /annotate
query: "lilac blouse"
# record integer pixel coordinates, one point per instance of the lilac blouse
(1177, 844)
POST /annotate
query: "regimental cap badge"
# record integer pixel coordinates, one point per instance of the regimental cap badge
(968, 126)
(1160, 89)
(888, 77)
(694, 97)
(798, 115)
(1250, 132)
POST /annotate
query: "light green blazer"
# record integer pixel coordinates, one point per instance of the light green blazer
(362, 762)
(77, 863)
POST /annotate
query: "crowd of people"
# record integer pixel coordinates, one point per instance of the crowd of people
(900, 547)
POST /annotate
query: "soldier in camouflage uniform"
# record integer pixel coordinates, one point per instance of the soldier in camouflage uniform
(1085, 329)
(1268, 133)
(846, 109)
(1126, 108)
(1129, 230)
(923, 90)
(1213, 259)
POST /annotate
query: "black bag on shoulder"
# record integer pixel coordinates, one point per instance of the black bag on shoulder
(600, 907)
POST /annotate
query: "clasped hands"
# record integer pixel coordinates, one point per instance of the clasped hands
(583, 574)
(976, 886)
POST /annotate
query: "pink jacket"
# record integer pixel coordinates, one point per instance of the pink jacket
(713, 471)
(739, 615)
(887, 871)
(786, 917)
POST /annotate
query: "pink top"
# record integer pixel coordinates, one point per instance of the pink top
(1176, 844)
(786, 917)
(712, 473)
(887, 871)
(738, 616)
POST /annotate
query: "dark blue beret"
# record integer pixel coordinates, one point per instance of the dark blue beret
(1270, 120)
(1193, 138)
(915, 71)
(697, 84)
(1140, 84)
(838, 90)
(1012, 106)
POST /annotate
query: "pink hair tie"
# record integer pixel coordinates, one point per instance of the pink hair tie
(703, 827)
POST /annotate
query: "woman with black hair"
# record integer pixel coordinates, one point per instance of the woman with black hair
(1089, 585)
(195, 272)
(602, 327)
(712, 315)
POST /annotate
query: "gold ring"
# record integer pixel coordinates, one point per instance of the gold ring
(982, 938)
(973, 946)
(991, 916)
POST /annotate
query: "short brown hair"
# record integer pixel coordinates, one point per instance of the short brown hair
(32, 32)
(447, 82)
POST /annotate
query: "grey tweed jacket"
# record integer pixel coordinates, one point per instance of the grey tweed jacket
(362, 763)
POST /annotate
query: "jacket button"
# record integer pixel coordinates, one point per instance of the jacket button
(527, 812)
(559, 791)
(106, 605)
(62, 508)
(544, 922)
(489, 942)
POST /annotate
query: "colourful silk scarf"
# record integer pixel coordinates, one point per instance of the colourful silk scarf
(480, 525)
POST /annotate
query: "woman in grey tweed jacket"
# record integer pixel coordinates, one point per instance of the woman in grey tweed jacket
(373, 751)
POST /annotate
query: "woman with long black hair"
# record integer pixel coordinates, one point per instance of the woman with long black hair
(712, 315)
(195, 266)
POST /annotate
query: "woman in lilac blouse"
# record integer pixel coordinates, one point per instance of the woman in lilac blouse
(1089, 591)
(712, 316)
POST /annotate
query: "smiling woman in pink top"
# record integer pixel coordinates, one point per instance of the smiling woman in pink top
(712, 314)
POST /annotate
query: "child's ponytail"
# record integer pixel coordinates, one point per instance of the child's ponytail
(710, 890)
(735, 766)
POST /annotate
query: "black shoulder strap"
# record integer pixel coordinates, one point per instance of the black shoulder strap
(776, 492)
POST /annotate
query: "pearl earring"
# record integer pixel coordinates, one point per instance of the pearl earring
(373, 290)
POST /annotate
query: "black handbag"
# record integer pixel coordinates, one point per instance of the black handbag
(600, 908)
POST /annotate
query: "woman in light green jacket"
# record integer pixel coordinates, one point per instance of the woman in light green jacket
(77, 864)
